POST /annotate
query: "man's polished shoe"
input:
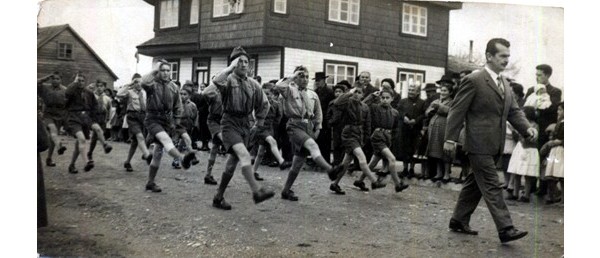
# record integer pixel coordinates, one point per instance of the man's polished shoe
(72, 169)
(49, 163)
(361, 185)
(262, 195)
(153, 187)
(128, 167)
(221, 204)
(210, 180)
(289, 195)
(458, 227)
(274, 163)
(88, 166)
(376, 185)
(257, 177)
(511, 234)
(337, 189)
(400, 187)
(284, 165)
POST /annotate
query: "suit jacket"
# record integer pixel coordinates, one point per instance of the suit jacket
(485, 110)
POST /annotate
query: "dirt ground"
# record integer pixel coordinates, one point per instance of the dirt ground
(106, 212)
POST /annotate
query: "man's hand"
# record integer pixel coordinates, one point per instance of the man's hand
(233, 64)
(533, 134)
(450, 149)
(45, 78)
(317, 132)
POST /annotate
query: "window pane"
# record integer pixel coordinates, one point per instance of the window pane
(415, 10)
(330, 70)
(414, 20)
(402, 77)
(341, 71)
(424, 12)
(423, 21)
(422, 30)
(355, 8)
(420, 77)
(333, 15)
(354, 18)
(405, 27)
(344, 16)
(350, 71)
(414, 28)
(329, 80)
(344, 6)
(406, 18)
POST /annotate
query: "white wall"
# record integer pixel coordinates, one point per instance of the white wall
(217, 64)
(185, 69)
(379, 69)
(269, 64)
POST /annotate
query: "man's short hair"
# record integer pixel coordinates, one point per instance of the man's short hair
(491, 45)
(546, 69)
(369, 73)
(301, 68)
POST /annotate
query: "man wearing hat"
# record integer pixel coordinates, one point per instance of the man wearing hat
(163, 111)
(325, 93)
(241, 95)
(303, 108)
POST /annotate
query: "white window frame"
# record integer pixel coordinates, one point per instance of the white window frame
(222, 8)
(413, 77)
(194, 11)
(174, 72)
(282, 6)
(414, 20)
(62, 50)
(352, 11)
(169, 14)
(332, 69)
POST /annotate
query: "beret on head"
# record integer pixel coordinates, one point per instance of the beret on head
(238, 51)
(136, 75)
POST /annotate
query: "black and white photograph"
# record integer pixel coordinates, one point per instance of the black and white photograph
(304, 128)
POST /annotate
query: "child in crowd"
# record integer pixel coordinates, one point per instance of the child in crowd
(525, 160)
(554, 172)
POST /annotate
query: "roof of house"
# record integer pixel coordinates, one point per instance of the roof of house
(46, 34)
(450, 5)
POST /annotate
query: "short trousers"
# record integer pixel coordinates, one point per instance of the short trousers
(298, 133)
(381, 139)
(79, 121)
(135, 122)
(352, 138)
(214, 127)
(235, 129)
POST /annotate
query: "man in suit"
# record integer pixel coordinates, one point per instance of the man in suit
(325, 93)
(485, 101)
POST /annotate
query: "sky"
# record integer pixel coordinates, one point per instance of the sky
(113, 28)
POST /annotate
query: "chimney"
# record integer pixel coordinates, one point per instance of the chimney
(470, 51)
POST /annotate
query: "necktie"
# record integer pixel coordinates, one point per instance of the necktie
(142, 98)
(499, 83)
(303, 96)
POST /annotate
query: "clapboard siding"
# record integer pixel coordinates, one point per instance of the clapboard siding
(377, 36)
(269, 65)
(379, 69)
(185, 69)
(83, 60)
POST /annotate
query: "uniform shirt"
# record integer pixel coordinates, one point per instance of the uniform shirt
(136, 99)
(162, 97)
(384, 116)
(190, 114)
(215, 106)
(274, 116)
(104, 103)
(80, 99)
(241, 96)
(354, 112)
(53, 97)
(300, 104)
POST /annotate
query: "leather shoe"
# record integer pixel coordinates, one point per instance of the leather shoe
(337, 189)
(221, 204)
(458, 227)
(61, 149)
(153, 187)
(289, 195)
(88, 166)
(175, 165)
(411, 173)
(361, 185)
(107, 148)
(400, 187)
(511, 234)
(128, 167)
(187, 160)
(72, 169)
(333, 173)
(274, 163)
(50, 163)
(284, 165)
(262, 195)
(376, 185)
(209, 180)
(257, 177)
